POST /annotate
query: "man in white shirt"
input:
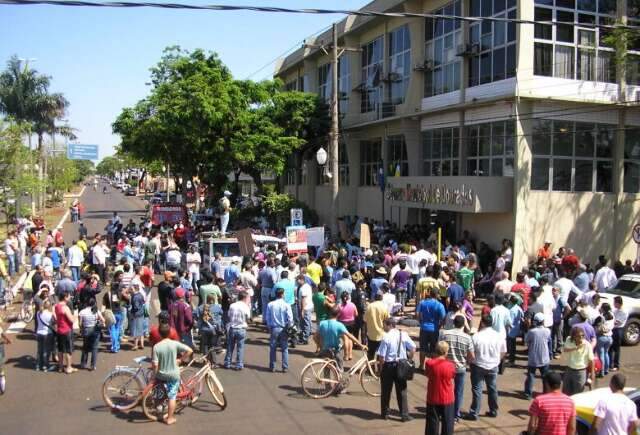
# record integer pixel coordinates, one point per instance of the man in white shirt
(75, 260)
(100, 252)
(239, 313)
(605, 276)
(615, 413)
(566, 287)
(193, 265)
(305, 303)
(489, 348)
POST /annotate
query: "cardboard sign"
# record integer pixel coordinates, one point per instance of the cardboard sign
(170, 214)
(315, 236)
(245, 240)
(296, 240)
(365, 236)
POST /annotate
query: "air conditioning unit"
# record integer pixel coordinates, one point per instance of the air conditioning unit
(393, 77)
(468, 50)
(427, 65)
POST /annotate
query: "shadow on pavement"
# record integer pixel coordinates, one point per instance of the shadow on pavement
(206, 406)
(363, 414)
(522, 414)
(26, 362)
(296, 392)
(259, 368)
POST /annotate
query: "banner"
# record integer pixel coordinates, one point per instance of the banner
(296, 240)
(171, 214)
(315, 236)
(365, 236)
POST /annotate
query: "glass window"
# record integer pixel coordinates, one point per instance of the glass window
(604, 176)
(563, 66)
(370, 161)
(441, 47)
(397, 156)
(371, 76)
(583, 176)
(490, 149)
(543, 31)
(562, 175)
(324, 82)
(441, 151)
(632, 177)
(562, 138)
(399, 64)
(564, 32)
(632, 160)
(541, 142)
(543, 59)
(344, 83)
(540, 174)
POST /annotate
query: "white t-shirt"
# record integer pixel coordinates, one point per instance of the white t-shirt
(305, 294)
(8, 247)
(194, 261)
(99, 255)
(605, 278)
(43, 319)
(76, 256)
(174, 256)
(616, 412)
(488, 345)
(389, 300)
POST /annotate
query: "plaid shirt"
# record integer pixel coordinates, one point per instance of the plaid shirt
(459, 346)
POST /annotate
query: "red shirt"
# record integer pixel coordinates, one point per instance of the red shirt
(154, 335)
(146, 276)
(440, 373)
(553, 411)
(523, 290)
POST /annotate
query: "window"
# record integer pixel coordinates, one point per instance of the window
(343, 164)
(370, 161)
(371, 75)
(441, 152)
(303, 83)
(632, 160)
(397, 156)
(291, 86)
(443, 36)
(399, 64)
(324, 82)
(344, 83)
(575, 48)
(496, 41)
(490, 149)
(572, 156)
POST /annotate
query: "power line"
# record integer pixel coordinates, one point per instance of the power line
(271, 9)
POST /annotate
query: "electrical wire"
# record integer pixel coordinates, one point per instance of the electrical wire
(271, 9)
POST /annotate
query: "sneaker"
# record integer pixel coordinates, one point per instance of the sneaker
(470, 417)
(406, 418)
(492, 414)
(273, 370)
(285, 370)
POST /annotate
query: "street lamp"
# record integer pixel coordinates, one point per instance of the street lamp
(321, 156)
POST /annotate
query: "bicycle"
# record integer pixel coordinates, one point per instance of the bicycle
(124, 386)
(321, 377)
(155, 402)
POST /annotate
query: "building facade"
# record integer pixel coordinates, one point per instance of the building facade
(518, 131)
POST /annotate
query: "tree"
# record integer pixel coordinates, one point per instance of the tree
(186, 120)
(276, 124)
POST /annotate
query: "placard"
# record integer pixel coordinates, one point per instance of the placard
(245, 241)
(365, 236)
(296, 217)
(296, 240)
(315, 236)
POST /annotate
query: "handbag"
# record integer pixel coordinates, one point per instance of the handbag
(405, 367)
(109, 318)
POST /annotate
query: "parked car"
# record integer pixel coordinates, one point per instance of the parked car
(628, 287)
(586, 403)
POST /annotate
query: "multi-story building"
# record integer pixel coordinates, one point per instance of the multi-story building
(518, 131)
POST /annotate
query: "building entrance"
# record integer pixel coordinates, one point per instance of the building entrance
(447, 220)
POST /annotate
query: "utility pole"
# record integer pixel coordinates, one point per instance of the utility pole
(334, 134)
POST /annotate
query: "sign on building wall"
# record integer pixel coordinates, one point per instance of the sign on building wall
(433, 194)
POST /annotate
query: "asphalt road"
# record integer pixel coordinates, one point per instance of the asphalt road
(259, 401)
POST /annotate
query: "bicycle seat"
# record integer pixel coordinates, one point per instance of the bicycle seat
(142, 359)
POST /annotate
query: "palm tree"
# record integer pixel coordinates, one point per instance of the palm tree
(25, 97)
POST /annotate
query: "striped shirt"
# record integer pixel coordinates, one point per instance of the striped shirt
(459, 346)
(554, 410)
(87, 319)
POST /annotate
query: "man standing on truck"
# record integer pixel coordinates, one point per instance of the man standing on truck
(225, 208)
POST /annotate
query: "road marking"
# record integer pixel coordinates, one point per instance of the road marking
(16, 327)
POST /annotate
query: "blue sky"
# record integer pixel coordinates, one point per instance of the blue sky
(100, 58)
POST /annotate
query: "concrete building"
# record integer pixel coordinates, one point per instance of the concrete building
(519, 131)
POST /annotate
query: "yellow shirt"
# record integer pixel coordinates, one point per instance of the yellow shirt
(82, 245)
(3, 269)
(424, 286)
(374, 317)
(581, 357)
(314, 270)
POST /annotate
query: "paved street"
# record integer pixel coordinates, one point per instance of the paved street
(259, 401)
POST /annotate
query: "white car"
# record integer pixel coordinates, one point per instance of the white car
(627, 287)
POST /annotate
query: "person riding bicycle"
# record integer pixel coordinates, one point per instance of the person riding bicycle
(329, 333)
(165, 366)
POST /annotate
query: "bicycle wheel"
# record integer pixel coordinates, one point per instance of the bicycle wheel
(369, 380)
(189, 382)
(216, 390)
(155, 403)
(319, 379)
(122, 390)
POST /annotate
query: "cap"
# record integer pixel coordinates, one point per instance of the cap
(547, 242)
(227, 193)
(538, 318)
(179, 292)
(368, 253)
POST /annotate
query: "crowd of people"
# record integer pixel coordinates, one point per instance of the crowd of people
(338, 298)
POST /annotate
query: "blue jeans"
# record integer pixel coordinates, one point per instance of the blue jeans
(530, 379)
(459, 392)
(602, 350)
(44, 349)
(12, 265)
(1, 290)
(479, 377)
(114, 331)
(235, 339)
(90, 346)
(279, 338)
(75, 273)
(305, 325)
(264, 297)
